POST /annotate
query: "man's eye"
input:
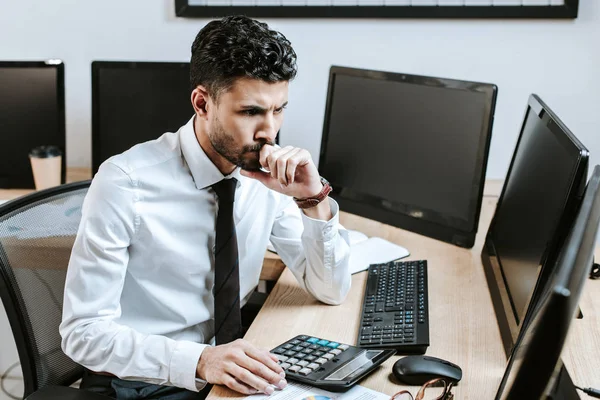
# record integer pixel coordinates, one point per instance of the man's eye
(251, 112)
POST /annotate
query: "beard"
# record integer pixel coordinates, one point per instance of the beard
(246, 157)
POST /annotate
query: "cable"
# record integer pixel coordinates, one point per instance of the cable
(3, 376)
(590, 391)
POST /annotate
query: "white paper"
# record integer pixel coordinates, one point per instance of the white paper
(298, 391)
(374, 250)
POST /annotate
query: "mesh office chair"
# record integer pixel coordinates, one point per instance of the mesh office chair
(36, 236)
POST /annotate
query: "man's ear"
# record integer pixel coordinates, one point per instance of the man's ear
(200, 99)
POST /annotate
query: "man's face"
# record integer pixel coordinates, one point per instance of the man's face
(245, 118)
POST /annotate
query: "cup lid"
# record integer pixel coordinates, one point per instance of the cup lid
(45, 152)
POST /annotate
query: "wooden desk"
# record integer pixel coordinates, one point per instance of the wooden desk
(463, 326)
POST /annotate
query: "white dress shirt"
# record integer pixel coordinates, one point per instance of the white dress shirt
(138, 299)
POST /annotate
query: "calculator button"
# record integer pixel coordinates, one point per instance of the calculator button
(305, 371)
(292, 360)
(282, 358)
(328, 356)
(313, 340)
(287, 346)
(295, 342)
(333, 345)
(317, 353)
(298, 348)
(285, 365)
(335, 351)
(321, 360)
(300, 355)
(295, 368)
(289, 353)
(323, 342)
(279, 350)
(343, 347)
(314, 347)
(303, 363)
(312, 366)
(302, 337)
(304, 344)
(310, 358)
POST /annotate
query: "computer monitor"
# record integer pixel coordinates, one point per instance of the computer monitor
(535, 211)
(133, 102)
(32, 114)
(534, 369)
(408, 150)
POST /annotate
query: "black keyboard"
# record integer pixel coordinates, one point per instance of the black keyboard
(395, 308)
(327, 364)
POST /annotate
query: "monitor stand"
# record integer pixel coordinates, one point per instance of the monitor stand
(564, 388)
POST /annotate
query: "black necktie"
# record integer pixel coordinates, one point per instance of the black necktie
(228, 320)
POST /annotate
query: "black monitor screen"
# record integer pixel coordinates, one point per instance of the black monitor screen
(134, 102)
(534, 366)
(412, 145)
(32, 114)
(531, 212)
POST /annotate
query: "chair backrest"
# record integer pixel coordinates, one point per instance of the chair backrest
(37, 232)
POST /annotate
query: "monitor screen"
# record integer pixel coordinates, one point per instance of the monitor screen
(408, 150)
(32, 114)
(536, 209)
(534, 365)
(133, 102)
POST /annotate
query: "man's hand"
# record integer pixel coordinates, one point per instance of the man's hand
(291, 171)
(241, 367)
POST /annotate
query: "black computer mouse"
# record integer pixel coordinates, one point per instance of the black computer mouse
(416, 370)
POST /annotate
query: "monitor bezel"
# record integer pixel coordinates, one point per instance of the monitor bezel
(97, 66)
(439, 226)
(60, 101)
(541, 366)
(496, 279)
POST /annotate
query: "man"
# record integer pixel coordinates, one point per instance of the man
(156, 276)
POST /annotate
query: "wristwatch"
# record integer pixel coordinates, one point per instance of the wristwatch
(313, 201)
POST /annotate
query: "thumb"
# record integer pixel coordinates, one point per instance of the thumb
(260, 176)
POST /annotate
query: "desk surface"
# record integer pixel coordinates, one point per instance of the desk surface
(463, 326)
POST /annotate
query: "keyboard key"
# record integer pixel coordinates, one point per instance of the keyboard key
(302, 363)
(281, 358)
(285, 365)
(305, 371)
(312, 340)
(321, 360)
(333, 345)
(294, 342)
(343, 347)
(328, 356)
(289, 353)
(335, 351)
(292, 360)
(323, 342)
(313, 366)
(294, 368)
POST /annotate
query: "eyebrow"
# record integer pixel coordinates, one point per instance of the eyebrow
(261, 109)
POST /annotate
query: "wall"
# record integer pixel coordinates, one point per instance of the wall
(559, 60)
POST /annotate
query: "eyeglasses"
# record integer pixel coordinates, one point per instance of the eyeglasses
(435, 389)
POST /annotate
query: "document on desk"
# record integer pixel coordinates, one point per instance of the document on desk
(374, 250)
(299, 391)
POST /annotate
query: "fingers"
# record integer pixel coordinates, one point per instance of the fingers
(270, 368)
(251, 380)
(238, 386)
(282, 163)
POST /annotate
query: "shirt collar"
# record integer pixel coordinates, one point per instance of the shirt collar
(204, 172)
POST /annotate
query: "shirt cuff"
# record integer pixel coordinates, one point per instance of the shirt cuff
(184, 361)
(322, 230)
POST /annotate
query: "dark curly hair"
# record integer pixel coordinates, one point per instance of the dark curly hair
(236, 47)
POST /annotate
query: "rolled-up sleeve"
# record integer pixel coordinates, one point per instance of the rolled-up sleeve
(95, 278)
(317, 252)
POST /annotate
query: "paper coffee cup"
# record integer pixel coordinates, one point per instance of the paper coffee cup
(46, 162)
